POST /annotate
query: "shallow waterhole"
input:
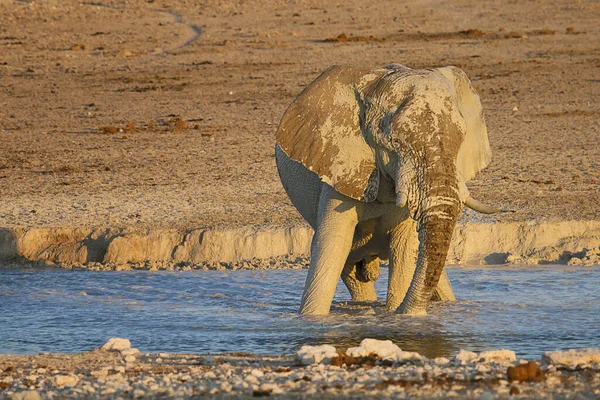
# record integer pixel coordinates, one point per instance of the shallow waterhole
(529, 310)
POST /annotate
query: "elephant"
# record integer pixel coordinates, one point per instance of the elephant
(376, 161)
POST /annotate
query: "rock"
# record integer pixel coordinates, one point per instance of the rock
(383, 348)
(129, 359)
(466, 357)
(571, 358)
(529, 372)
(502, 355)
(130, 352)
(257, 373)
(116, 344)
(441, 360)
(316, 354)
(270, 388)
(28, 395)
(66, 380)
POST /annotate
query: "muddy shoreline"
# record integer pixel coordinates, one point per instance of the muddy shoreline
(123, 372)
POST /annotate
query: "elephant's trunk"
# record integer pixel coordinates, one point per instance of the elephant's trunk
(439, 211)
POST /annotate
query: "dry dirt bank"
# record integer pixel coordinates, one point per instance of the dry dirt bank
(123, 116)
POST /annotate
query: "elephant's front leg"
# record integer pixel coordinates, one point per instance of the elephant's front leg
(361, 287)
(336, 220)
(404, 246)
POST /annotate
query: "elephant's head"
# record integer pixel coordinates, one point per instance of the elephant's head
(422, 130)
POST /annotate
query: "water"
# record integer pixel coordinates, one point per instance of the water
(528, 310)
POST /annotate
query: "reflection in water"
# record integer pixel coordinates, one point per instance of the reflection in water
(527, 310)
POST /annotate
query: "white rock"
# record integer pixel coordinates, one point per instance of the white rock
(100, 373)
(270, 387)
(571, 358)
(66, 380)
(28, 395)
(502, 355)
(316, 354)
(129, 359)
(257, 373)
(384, 349)
(251, 379)
(116, 344)
(441, 360)
(466, 357)
(130, 352)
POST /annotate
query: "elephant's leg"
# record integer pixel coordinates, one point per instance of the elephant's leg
(336, 220)
(360, 289)
(368, 269)
(404, 246)
(444, 290)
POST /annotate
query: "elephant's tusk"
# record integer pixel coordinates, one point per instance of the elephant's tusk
(480, 207)
(401, 199)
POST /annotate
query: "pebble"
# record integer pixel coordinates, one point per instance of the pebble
(130, 352)
(28, 395)
(315, 354)
(129, 359)
(498, 356)
(465, 356)
(572, 358)
(116, 344)
(66, 380)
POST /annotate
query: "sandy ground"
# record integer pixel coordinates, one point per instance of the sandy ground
(100, 374)
(193, 92)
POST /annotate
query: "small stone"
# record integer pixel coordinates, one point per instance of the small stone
(130, 352)
(129, 359)
(466, 357)
(514, 390)
(502, 355)
(116, 344)
(385, 349)
(28, 395)
(441, 360)
(316, 354)
(66, 380)
(163, 355)
(270, 388)
(571, 358)
(529, 372)
(100, 373)
(257, 373)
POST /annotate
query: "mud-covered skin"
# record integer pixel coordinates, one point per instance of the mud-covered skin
(387, 146)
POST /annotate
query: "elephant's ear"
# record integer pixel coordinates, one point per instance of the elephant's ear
(322, 130)
(474, 154)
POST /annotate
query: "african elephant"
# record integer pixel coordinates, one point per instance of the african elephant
(376, 161)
